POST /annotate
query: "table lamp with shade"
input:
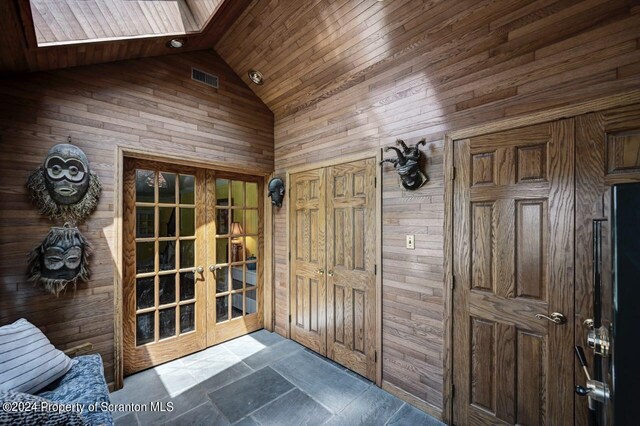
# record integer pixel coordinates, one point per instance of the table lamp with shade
(236, 242)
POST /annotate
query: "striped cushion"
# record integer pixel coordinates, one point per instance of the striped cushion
(28, 361)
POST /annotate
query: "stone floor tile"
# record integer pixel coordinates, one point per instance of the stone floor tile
(322, 381)
(411, 416)
(292, 409)
(246, 395)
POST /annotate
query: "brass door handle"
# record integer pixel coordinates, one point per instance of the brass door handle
(320, 271)
(330, 273)
(556, 317)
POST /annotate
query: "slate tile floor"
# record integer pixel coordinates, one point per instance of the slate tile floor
(261, 379)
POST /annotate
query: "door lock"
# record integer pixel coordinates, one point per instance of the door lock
(596, 391)
(598, 339)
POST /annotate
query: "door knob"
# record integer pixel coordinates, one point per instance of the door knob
(556, 317)
(320, 271)
(330, 273)
(199, 270)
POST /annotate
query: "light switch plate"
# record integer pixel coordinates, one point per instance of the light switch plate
(411, 242)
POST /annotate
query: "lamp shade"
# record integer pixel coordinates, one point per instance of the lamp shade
(236, 228)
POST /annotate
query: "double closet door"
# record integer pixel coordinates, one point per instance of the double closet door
(333, 255)
(192, 251)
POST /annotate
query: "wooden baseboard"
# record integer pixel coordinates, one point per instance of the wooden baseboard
(428, 408)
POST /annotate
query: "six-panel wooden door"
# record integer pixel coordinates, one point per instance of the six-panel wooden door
(513, 245)
(351, 240)
(308, 253)
(333, 255)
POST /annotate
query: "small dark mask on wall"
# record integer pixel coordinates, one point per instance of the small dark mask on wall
(407, 164)
(276, 191)
(61, 259)
(64, 186)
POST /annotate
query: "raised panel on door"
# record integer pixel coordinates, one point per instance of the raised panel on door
(164, 298)
(351, 266)
(513, 239)
(307, 283)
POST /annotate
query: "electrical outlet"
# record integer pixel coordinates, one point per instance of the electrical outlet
(411, 242)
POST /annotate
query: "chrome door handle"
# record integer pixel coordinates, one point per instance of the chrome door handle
(330, 273)
(556, 317)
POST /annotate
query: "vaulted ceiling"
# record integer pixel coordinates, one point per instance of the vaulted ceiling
(311, 50)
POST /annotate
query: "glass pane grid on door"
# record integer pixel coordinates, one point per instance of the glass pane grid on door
(165, 255)
(237, 242)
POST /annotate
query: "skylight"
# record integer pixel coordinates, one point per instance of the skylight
(79, 21)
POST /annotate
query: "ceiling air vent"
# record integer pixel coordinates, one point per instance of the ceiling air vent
(204, 77)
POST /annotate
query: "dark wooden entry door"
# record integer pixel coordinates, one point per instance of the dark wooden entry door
(513, 245)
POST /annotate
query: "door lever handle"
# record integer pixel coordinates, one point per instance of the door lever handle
(556, 317)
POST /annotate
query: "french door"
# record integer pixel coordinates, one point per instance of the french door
(192, 249)
(333, 254)
(513, 269)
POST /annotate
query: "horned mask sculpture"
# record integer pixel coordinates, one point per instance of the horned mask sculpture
(276, 191)
(407, 164)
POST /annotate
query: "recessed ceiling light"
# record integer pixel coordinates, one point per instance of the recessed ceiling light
(256, 77)
(176, 43)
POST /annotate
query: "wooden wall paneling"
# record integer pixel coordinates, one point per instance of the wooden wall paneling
(141, 108)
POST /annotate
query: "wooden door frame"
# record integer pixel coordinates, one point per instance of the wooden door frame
(377, 155)
(600, 104)
(122, 152)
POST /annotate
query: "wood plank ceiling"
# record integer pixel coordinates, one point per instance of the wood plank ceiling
(309, 51)
(60, 21)
(19, 37)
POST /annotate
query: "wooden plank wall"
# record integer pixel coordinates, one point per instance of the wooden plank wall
(345, 77)
(148, 104)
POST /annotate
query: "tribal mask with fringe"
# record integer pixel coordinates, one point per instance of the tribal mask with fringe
(64, 186)
(61, 259)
